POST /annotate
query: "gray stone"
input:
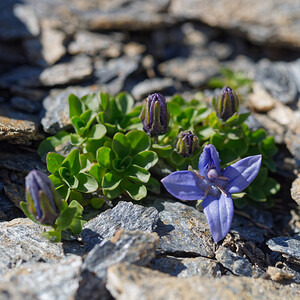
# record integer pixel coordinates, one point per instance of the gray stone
(8, 210)
(114, 73)
(292, 142)
(294, 68)
(15, 192)
(45, 280)
(235, 263)
(288, 246)
(32, 94)
(11, 53)
(182, 229)
(47, 49)
(21, 241)
(194, 70)
(124, 215)
(78, 70)
(279, 27)
(57, 108)
(95, 43)
(186, 267)
(279, 275)
(26, 105)
(17, 21)
(18, 131)
(132, 282)
(126, 246)
(295, 190)
(8, 291)
(150, 86)
(277, 80)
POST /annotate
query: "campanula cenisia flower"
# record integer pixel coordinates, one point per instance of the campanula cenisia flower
(227, 103)
(43, 200)
(187, 143)
(214, 186)
(155, 115)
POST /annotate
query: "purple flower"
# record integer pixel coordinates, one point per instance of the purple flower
(214, 186)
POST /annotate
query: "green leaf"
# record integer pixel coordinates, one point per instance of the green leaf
(256, 194)
(104, 100)
(145, 159)
(98, 131)
(124, 102)
(78, 124)
(111, 194)
(64, 191)
(74, 195)
(153, 185)
(50, 143)
(68, 178)
(97, 172)
(92, 102)
(56, 179)
(86, 183)
(111, 181)
(162, 151)
(54, 161)
(97, 203)
(138, 140)
(72, 162)
(105, 156)
(76, 139)
(120, 145)
(257, 136)
(76, 226)
(78, 207)
(137, 173)
(174, 109)
(76, 107)
(53, 236)
(261, 177)
(88, 117)
(135, 190)
(65, 219)
(177, 159)
(206, 132)
(271, 186)
(120, 165)
(268, 146)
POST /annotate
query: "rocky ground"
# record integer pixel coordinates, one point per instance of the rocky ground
(157, 248)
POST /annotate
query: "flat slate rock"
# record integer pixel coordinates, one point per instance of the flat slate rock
(56, 114)
(46, 280)
(235, 263)
(21, 241)
(133, 282)
(279, 26)
(182, 229)
(186, 267)
(288, 246)
(18, 131)
(124, 215)
(295, 190)
(126, 246)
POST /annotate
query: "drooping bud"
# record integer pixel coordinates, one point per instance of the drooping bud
(43, 200)
(227, 103)
(155, 115)
(187, 143)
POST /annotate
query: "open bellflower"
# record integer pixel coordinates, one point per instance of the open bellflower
(214, 186)
(43, 200)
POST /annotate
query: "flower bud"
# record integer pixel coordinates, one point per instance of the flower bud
(187, 143)
(43, 200)
(227, 103)
(155, 115)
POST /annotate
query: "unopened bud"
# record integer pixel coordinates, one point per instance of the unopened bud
(155, 115)
(187, 143)
(227, 103)
(43, 200)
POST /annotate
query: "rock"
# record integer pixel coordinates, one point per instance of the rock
(57, 108)
(47, 49)
(182, 229)
(15, 192)
(294, 68)
(21, 241)
(132, 282)
(235, 263)
(260, 100)
(295, 190)
(26, 105)
(124, 215)
(18, 131)
(22, 162)
(8, 291)
(186, 267)
(279, 27)
(132, 49)
(194, 70)
(288, 246)
(78, 70)
(95, 43)
(150, 86)
(279, 275)
(32, 94)
(11, 53)
(46, 280)
(8, 210)
(17, 21)
(292, 142)
(277, 80)
(114, 73)
(126, 246)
